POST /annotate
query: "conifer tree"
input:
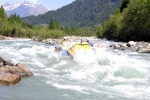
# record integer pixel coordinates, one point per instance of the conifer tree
(52, 24)
(57, 25)
(3, 20)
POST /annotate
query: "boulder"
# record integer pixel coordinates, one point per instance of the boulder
(20, 70)
(49, 41)
(144, 49)
(11, 74)
(119, 46)
(131, 43)
(141, 47)
(24, 70)
(8, 78)
(5, 38)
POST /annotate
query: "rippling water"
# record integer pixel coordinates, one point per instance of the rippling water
(105, 75)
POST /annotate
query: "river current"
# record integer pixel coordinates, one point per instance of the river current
(107, 74)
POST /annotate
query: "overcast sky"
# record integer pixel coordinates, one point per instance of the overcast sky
(49, 4)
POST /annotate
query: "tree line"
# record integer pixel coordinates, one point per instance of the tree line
(13, 26)
(130, 22)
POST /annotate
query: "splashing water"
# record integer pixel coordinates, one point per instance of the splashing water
(106, 74)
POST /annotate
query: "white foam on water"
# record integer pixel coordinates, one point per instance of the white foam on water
(62, 62)
(125, 75)
(89, 73)
(37, 62)
(86, 58)
(34, 50)
(11, 54)
(27, 51)
(49, 70)
(132, 68)
(79, 75)
(71, 87)
(81, 89)
(133, 91)
(55, 55)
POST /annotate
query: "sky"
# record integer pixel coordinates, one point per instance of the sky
(49, 4)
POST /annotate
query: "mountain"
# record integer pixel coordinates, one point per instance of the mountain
(80, 13)
(24, 9)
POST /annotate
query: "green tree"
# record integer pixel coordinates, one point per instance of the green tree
(3, 21)
(132, 24)
(57, 25)
(136, 20)
(80, 13)
(68, 30)
(52, 24)
(14, 18)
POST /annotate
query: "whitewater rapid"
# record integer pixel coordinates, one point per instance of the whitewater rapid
(107, 74)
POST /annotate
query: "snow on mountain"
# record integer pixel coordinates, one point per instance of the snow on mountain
(6, 4)
(24, 9)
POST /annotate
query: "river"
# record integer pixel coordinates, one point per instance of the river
(106, 75)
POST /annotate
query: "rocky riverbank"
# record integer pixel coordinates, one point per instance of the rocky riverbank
(140, 47)
(5, 38)
(12, 74)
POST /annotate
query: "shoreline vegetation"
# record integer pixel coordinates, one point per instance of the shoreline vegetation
(13, 26)
(130, 23)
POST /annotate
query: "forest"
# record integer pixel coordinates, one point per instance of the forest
(131, 22)
(13, 26)
(80, 13)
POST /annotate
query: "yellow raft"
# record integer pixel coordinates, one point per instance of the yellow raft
(79, 46)
(82, 45)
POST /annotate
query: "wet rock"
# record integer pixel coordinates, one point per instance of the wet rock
(141, 47)
(119, 46)
(131, 43)
(8, 78)
(25, 72)
(12, 74)
(144, 49)
(49, 41)
(20, 70)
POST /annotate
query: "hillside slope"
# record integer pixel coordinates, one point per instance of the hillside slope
(80, 13)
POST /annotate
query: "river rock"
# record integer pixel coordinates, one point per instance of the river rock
(25, 72)
(141, 47)
(144, 49)
(119, 46)
(131, 43)
(20, 70)
(49, 41)
(8, 78)
(5, 38)
(12, 74)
